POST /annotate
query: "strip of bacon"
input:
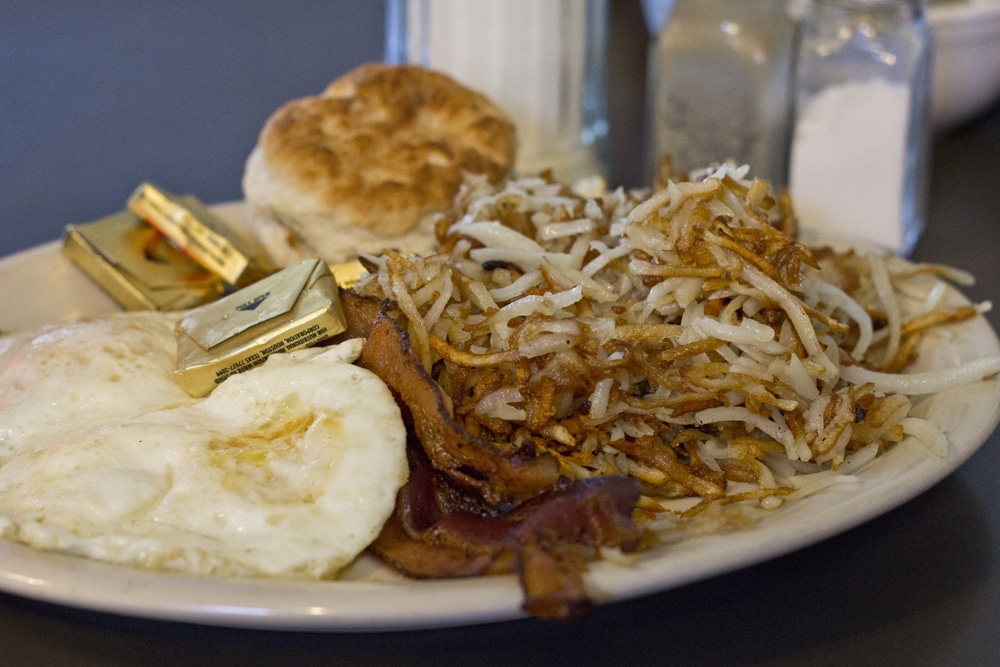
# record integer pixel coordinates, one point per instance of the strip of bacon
(439, 531)
(453, 518)
(497, 473)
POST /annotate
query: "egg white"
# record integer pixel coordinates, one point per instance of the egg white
(290, 469)
(61, 378)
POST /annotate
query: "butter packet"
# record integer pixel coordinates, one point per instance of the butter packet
(296, 307)
(348, 273)
(193, 228)
(138, 266)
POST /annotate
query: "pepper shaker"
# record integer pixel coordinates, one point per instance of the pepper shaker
(859, 157)
(720, 86)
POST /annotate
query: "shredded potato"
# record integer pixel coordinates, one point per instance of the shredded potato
(677, 336)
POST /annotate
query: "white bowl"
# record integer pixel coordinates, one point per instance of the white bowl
(966, 77)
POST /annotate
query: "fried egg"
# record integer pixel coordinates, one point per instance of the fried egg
(61, 378)
(289, 469)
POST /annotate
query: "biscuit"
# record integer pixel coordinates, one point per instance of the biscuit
(365, 161)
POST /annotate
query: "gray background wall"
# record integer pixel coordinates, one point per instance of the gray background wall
(98, 95)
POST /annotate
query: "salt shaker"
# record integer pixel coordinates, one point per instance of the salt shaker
(543, 63)
(859, 157)
(719, 86)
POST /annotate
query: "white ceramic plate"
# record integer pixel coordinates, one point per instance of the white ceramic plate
(40, 286)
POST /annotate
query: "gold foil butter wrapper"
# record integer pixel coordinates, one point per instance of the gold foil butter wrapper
(348, 273)
(201, 234)
(296, 307)
(138, 266)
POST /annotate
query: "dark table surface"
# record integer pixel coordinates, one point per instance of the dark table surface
(96, 96)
